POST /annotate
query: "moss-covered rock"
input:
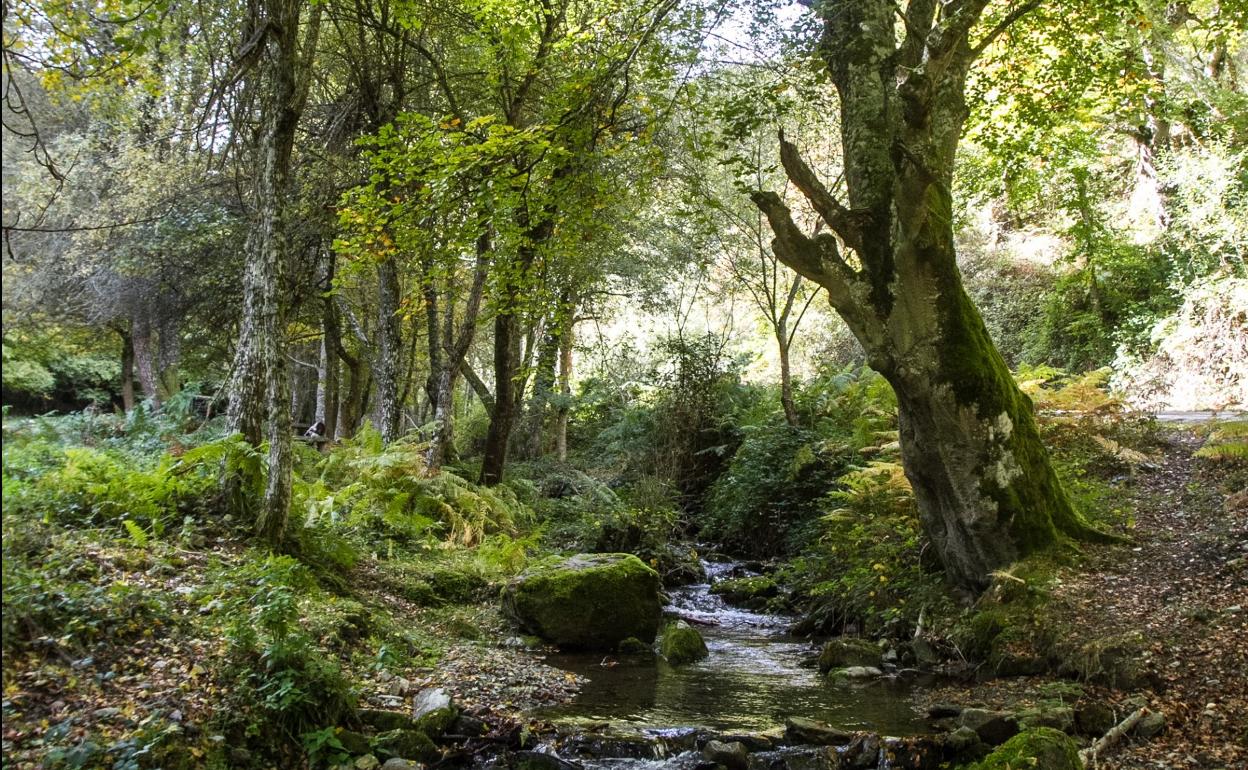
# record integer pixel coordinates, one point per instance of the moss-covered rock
(846, 651)
(682, 644)
(749, 592)
(633, 646)
(588, 601)
(1041, 748)
(408, 744)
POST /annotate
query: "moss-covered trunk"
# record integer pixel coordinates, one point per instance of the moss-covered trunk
(985, 488)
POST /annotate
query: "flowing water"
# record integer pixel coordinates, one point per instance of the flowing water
(753, 679)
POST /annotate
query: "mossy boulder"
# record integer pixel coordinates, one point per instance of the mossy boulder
(749, 592)
(682, 644)
(587, 601)
(845, 652)
(407, 744)
(1041, 748)
(633, 646)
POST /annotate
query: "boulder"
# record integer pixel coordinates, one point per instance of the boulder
(749, 592)
(541, 760)
(1093, 718)
(800, 730)
(408, 744)
(634, 646)
(963, 744)
(433, 712)
(1058, 717)
(682, 644)
(863, 751)
(1150, 726)
(992, 727)
(382, 720)
(367, 762)
(588, 601)
(734, 755)
(353, 742)
(398, 763)
(1042, 748)
(846, 651)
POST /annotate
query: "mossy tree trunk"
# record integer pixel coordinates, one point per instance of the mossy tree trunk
(986, 491)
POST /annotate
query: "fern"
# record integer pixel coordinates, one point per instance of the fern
(1228, 443)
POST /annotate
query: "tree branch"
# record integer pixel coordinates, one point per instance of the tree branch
(1005, 23)
(839, 218)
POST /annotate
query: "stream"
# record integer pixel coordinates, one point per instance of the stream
(752, 681)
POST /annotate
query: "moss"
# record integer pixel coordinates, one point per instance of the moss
(840, 653)
(406, 744)
(682, 644)
(633, 646)
(750, 592)
(1041, 748)
(589, 601)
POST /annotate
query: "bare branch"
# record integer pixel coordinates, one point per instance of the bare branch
(839, 218)
(1005, 23)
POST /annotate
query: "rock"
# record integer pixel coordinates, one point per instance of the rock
(734, 756)
(993, 727)
(398, 763)
(1093, 718)
(367, 762)
(854, 673)
(800, 730)
(1150, 725)
(353, 742)
(541, 760)
(408, 744)
(924, 653)
(469, 726)
(588, 601)
(634, 646)
(821, 758)
(682, 644)
(749, 592)
(963, 744)
(863, 751)
(433, 712)
(843, 652)
(107, 713)
(1042, 748)
(752, 741)
(382, 720)
(916, 752)
(1058, 717)
(942, 710)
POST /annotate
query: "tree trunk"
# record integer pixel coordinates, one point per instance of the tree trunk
(352, 407)
(503, 416)
(565, 391)
(786, 378)
(982, 479)
(145, 358)
(543, 387)
(127, 372)
(261, 357)
(389, 350)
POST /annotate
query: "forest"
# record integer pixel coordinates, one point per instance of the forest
(625, 384)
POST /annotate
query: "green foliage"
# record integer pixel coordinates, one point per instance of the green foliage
(1227, 443)
(281, 685)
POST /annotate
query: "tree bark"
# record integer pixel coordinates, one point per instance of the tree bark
(786, 378)
(389, 350)
(145, 358)
(565, 390)
(503, 416)
(985, 488)
(261, 357)
(127, 371)
(543, 387)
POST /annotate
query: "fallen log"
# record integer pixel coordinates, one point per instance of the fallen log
(1115, 734)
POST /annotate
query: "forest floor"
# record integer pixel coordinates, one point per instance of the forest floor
(1182, 586)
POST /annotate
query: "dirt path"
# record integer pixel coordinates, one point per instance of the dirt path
(1184, 585)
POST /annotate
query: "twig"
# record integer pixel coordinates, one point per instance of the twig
(1116, 733)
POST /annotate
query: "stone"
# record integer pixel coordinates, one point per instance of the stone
(844, 652)
(433, 712)
(398, 763)
(541, 760)
(964, 743)
(682, 644)
(863, 751)
(734, 755)
(1042, 748)
(588, 601)
(942, 710)
(1093, 718)
(408, 744)
(1150, 726)
(924, 653)
(860, 672)
(1058, 717)
(469, 726)
(382, 720)
(634, 646)
(367, 762)
(993, 727)
(799, 730)
(353, 742)
(749, 592)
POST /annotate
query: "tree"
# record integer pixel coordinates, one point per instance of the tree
(986, 489)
